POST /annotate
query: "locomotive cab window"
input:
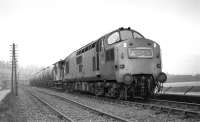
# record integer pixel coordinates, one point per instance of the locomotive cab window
(126, 34)
(137, 35)
(113, 38)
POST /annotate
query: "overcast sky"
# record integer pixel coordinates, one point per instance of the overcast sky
(48, 30)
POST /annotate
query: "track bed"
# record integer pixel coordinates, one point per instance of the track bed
(125, 109)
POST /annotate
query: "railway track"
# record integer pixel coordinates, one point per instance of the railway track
(179, 98)
(57, 112)
(98, 111)
(184, 108)
(160, 106)
(187, 109)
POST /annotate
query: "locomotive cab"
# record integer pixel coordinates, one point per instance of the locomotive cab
(133, 61)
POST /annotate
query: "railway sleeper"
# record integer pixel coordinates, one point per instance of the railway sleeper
(193, 114)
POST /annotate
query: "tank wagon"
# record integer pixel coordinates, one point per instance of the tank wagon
(43, 78)
(122, 63)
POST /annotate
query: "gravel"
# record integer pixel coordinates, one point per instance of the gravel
(25, 108)
(75, 112)
(126, 111)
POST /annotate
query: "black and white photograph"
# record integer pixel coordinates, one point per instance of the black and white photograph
(99, 60)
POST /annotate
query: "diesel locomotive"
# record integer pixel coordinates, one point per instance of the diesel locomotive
(122, 63)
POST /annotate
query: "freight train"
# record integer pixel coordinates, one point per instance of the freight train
(122, 64)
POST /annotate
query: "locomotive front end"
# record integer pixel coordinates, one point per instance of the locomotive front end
(138, 64)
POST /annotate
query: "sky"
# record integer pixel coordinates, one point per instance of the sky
(46, 31)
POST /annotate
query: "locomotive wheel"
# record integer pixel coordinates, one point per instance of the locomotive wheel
(123, 92)
(112, 92)
(98, 90)
(131, 91)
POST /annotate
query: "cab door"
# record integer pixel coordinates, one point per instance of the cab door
(98, 57)
(98, 53)
(107, 61)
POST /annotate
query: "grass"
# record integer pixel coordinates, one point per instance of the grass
(6, 109)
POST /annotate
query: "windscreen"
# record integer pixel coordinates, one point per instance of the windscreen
(123, 35)
(126, 34)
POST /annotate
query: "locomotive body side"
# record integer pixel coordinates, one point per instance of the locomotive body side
(82, 66)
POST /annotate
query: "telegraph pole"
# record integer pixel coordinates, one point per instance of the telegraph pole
(14, 71)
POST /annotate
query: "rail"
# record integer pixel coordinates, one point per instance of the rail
(60, 114)
(92, 109)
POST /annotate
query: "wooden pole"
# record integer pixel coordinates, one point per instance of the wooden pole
(14, 71)
(12, 84)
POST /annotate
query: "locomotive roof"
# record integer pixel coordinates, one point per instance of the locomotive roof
(61, 61)
(121, 28)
